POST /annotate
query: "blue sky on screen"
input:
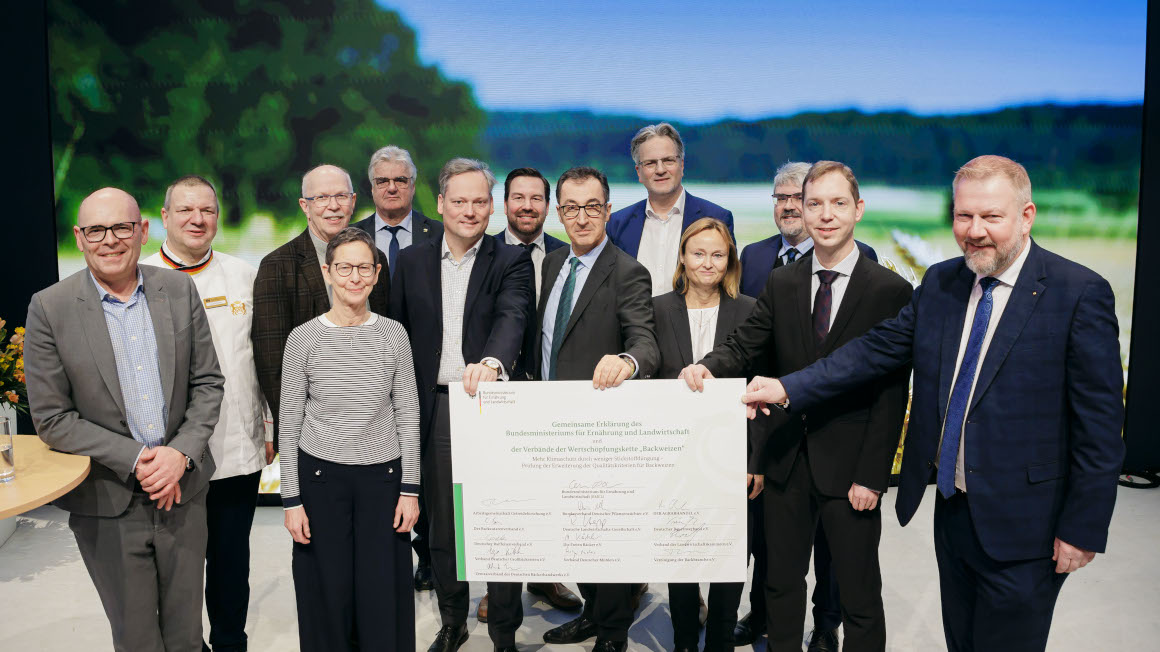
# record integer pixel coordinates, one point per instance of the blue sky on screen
(700, 61)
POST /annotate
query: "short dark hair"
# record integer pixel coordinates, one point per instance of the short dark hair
(346, 236)
(580, 173)
(525, 172)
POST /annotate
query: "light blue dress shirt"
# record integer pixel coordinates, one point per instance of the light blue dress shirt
(383, 236)
(802, 247)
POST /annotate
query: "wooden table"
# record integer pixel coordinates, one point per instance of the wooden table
(42, 475)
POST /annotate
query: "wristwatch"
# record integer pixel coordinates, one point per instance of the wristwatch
(491, 364)
(188, 463)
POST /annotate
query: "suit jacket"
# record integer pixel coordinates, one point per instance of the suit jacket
(612, 315)
(550, 244)
(760, 258)
(423, 229)
(288, 291)
(852, 437)
(495, 314)
(74, 392)
(1043, 447)
(626, 224)
(675, 341)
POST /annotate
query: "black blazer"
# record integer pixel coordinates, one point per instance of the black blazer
(550, 244)
(675, 341)
(288, 291)
(760, 258)
(494, 315)
(612, 315)
(853, 437)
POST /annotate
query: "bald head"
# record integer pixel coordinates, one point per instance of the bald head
(325, 174)
(110, 233)
(108, 202)
(331, 200)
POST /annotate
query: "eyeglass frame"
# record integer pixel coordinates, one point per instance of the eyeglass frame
(106, 229)
(351, 267)
(799, 197)
(385, 182)
(652, 163)
(322, 201)
(588, 208)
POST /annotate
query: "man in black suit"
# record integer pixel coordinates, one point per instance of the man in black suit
(833, 463)
(289, 289)
(595, 320)
(463, 300)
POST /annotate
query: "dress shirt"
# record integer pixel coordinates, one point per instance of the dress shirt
(538, 253)
(320, 249)
(660, 243)
(702, 327)
(453, 279)
(226, 287)
(802, 247)
(383, 236)
(844, 268)
(999, 296)
(138, 369)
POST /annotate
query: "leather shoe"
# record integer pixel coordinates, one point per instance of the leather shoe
(702, 609)
(424, 578)
(449, 638)
(638, 591)
(825, 640)
(747, 632)
(481, 612)
(577, 630)
(557, 595)
(604, 645)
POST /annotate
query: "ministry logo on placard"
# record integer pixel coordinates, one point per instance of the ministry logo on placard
(495, 397)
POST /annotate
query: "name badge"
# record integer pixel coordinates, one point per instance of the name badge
(215, 302)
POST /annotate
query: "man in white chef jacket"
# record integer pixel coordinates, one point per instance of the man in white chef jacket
(242, 442)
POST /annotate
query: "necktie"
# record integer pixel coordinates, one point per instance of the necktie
(823, 298)
(957, 405)
(563, 313)
(525, 246)
(791, 255)
(393, 248)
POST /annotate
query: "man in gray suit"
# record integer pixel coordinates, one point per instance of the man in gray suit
(121, 367)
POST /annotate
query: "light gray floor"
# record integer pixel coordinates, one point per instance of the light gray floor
(48, 603)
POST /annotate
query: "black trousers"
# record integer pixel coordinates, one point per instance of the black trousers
(452, 594)
(724, 597)
(353, 580)
(505, 612)
(610, 607)
(827, 606)
(230, 505)
(420, 534)
(987, 604)
(795, 510)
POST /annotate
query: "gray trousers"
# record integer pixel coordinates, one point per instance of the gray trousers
(148, 567)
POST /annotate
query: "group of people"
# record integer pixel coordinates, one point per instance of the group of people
(183, 374)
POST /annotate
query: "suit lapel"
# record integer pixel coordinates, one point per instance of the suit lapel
(956, 311)
(161, 313)
(855, 288)
(727, 319)
(1028, 288)
(551, 270)
(679, 320)
(692, 211)
(483, 261)
(431, 264)
(92, 316)
(633, 230)
(600, 271)
(312, 271)
(420, 227)
(803, 300)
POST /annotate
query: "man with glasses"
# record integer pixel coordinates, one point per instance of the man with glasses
(595, 321)
(241, 444)
(395, 224)
(650, 230)
(289, 289)
(120, 366)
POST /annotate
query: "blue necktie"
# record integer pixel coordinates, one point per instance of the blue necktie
(563, 313)
(961, 393)
(791, 255)
(393, 248)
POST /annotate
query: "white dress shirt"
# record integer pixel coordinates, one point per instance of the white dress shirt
(226, 288)
(844, 268)
(802, 247)
(454, 277)
(702, 327)
(1000, 294)
(538, 253)
(383, 236)
(660, 243)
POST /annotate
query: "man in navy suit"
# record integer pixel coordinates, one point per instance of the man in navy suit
(1017, 412)
(525, 203)
(791, 242)
(650, 230)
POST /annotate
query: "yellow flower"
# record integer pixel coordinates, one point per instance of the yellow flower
(12, 397)
(19, 376)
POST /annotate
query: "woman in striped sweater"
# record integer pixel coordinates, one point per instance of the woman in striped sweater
(349, 427)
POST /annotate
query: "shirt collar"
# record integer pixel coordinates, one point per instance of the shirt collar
(445, 251)
(802, 247)
(512, 239)
(169, 252)
(845, 267)
(1011, 274)
(678, 209)
(588, 259)
(381, 224)
(105, 294)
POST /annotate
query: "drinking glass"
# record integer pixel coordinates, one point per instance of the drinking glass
(7, 454)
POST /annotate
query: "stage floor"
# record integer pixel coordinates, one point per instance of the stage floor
(47, 601)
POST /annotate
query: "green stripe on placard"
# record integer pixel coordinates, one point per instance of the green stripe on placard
(460, 552)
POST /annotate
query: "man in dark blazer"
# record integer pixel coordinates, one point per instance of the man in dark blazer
(463, 300)
(1017, 412)
(120, 366)
(650, 230)
(289, 289)
(595, 320)
(833, 463)
(395, 224)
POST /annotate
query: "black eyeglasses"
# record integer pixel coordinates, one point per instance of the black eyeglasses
(343, 198)
(366, 270)
(784, 199)
(121, 230)
(400, 182)
(572, 210)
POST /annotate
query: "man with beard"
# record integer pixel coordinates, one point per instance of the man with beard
(1017, 411)
(525, 202)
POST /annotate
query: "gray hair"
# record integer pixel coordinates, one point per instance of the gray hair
(346, 236)
(457, 166)
(653, 131)
(791, 173)
(189, 181)
(391, 154)
(314, 169)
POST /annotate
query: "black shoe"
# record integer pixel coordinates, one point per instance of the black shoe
(449, 638)
(603, 645)
(424, 578)
(747, 632)
(577, 630)
(507, 648)
(825, 640)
